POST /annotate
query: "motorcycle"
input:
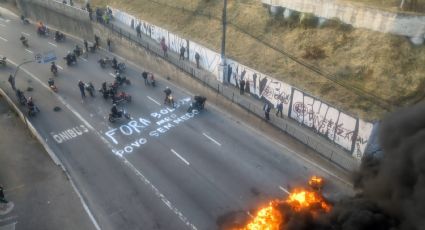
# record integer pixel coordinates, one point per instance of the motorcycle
(21, 97)
(78, 51)
(169, 100)
(52, 85)
(119, 68)
(43, 31)
(104, 62)
(197, 104)
(54, 71)
(90, 88)
(71, 59)
(113, 118)
(59, 37)
(3, 61)
(121, 97)
(24, 20)
(33, 110)
(120, 80)
(24, 42)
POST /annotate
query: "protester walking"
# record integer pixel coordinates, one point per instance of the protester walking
(242, 86)
(279, 109)
(267, 109)
(182, 51)
(81, 86)
(197, 57)
(145, 77)
(11, 80)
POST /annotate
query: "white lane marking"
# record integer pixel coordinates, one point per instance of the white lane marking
(112, 74)
(181, 158)
(285, 190)
(4, 39)
(29, 51)
(86, 208)
(2, 25)
(26, 34)
(83, 59)
(160, 195)
(211, 139)
(156, 102)
(52, 44)
(60, 67)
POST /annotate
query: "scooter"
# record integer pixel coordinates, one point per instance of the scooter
(121, 97)
(169, 100)
(33, 110)
(52, 85)
(197, 104)
(113, 118)
(90, 88)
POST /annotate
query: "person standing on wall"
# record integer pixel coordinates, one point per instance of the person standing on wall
(197, 57)
(247, 87)
(182, 51)
(279, 108)
(242, 86)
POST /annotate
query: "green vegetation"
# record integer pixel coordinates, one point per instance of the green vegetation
(384, 65)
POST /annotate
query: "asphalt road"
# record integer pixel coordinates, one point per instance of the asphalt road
(164, 168)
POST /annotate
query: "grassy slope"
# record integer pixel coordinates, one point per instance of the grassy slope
(385, 65)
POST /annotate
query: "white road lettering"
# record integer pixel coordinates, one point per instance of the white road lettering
(29, 51)
(211, 139)
(181, 158)
(156, 102)
(60, 67)
(52, 44)
(69, 134)
(285, 190)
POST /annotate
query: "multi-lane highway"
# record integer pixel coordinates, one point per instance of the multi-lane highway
(164, 168)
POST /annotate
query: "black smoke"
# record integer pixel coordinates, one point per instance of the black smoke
(392, 186)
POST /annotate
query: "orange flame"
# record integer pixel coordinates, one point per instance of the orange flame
(270, 218)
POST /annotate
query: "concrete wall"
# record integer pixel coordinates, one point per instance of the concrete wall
(358, 16)
(69, 19)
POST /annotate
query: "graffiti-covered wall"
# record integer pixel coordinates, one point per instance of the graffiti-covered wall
(348, 132)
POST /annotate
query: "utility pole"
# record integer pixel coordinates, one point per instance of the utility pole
(223, 65)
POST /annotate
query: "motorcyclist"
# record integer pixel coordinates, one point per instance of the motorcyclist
(200, 101)
(115, 112)
(53, 68)
(114, 63)
(167, 92)
(51, 82)
(58, 35)
(118, 77)
(41, 28)
(30, 104)
(77, 50)
(21, 97)
(23, 39)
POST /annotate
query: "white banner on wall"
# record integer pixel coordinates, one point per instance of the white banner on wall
(337, 126)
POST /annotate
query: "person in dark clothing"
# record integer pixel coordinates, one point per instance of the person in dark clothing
(11, 80)
(2, 198)
(138, 31)
(145, 77)
(242, 86)
(182, 51)
(164, 46)
(197, 58)
(243, 74)
(86, 46)
(247, 87)
(96, 41)
(81, 86)
(108, 42)
(279, 109)
(254, 79)
(267, 109)
(90, 10)
(229, 73)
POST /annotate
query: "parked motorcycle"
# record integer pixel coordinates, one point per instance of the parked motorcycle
(169, 100)
(197, 104)
(59, 37)
(124, 114)
(90, 88)
(71, 59)
(121, 97)
(21, 97)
